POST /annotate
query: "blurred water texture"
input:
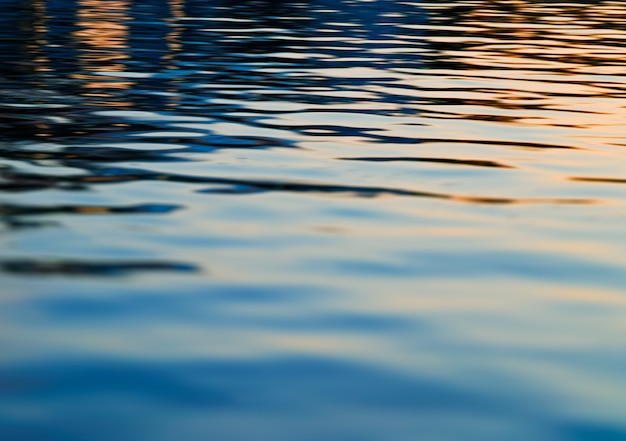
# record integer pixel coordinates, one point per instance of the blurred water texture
(340, 220)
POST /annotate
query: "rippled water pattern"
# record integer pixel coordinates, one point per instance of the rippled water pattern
(340, 220)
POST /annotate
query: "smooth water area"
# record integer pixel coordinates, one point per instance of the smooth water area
(318, 220)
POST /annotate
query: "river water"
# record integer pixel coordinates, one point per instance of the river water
(340, 220)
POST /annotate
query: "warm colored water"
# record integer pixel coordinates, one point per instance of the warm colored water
(328, 220)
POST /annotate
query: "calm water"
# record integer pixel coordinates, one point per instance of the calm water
(324, 220)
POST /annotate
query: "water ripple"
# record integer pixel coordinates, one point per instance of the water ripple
(333, 219)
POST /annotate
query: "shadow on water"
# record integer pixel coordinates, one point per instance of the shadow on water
(76, 268)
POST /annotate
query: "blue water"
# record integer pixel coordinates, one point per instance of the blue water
(315, 220)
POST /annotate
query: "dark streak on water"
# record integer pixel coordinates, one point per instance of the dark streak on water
(338, 220)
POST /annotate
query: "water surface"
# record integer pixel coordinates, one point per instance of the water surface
(317, 220)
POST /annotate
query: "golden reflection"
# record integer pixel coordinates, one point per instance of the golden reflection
(103, 32)
(514, 32)
(173, 38)
(177, 9)
(540, 63)
(103, 40)
(103, 47)
(38, 61)
(34, 46)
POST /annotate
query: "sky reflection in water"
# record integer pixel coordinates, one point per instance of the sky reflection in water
(338, 220)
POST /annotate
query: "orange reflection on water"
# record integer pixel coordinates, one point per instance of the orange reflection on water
(103, 32)
(541, 64)
(103, 39)
(34, 46)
